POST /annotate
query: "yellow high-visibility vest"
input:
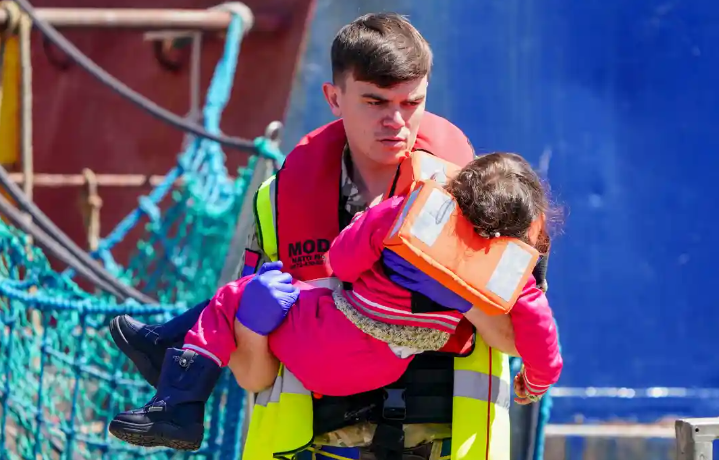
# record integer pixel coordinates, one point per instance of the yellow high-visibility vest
(281, 423)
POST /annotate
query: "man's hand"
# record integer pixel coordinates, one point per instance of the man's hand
(267, 299)
(410, 277)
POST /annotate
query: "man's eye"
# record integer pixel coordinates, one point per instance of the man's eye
(375, 102)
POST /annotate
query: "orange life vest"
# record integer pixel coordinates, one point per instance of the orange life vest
(432, 234)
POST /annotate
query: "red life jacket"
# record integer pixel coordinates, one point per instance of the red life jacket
(308, 190)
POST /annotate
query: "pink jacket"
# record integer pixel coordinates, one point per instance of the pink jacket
(536, 339)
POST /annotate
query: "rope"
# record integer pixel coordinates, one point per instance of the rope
(136, 98)
(48, 243)
(202, 152)
(71, 253)
(13, 17)
(78, 257)
(148, 205)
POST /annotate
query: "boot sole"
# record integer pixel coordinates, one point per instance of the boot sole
(140, 360)
(159, 434)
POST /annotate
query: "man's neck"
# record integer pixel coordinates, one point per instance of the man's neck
(371, 178)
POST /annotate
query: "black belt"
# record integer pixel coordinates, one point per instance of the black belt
(387, 404)
(421, 452)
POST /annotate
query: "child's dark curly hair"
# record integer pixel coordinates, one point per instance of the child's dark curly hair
(500, 194)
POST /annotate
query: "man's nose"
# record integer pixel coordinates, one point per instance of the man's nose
(394, 119)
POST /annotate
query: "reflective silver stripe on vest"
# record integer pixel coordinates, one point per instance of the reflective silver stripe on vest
(285, 383)
(291, 385)
(330, 282)
(482, 387)
(273, 201)
(263, 398)
(276, 389)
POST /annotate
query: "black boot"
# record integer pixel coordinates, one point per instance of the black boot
(145, 344)
(175, 417)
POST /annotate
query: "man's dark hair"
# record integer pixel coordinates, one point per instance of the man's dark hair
(380, 48)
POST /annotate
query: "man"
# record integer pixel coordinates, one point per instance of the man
(381, 65)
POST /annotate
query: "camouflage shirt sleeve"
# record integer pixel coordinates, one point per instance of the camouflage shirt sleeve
(252, 245)
(350, 192)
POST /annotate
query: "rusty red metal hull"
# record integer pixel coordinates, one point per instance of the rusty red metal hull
(79, 123)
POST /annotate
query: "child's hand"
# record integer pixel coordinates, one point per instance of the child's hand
(267, 299)
(523, 395)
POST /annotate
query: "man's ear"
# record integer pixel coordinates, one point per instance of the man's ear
(331, 93)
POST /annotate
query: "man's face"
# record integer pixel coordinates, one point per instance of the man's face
(381, 123)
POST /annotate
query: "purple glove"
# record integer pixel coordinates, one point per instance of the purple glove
(410, 277)
(267, 299)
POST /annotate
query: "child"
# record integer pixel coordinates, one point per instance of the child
(369, 332)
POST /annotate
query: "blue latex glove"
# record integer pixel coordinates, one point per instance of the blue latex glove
(267, 299)
(410, 277)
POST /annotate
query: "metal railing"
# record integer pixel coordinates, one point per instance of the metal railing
(695, 437)
(153, 19)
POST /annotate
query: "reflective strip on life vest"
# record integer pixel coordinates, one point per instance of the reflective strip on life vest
(295, 408)
(265, 213)
(264, 397)
(483, 387)
(329, 283)
(279, 427)
(285, 382)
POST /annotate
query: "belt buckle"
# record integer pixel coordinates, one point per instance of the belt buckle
(394, 407)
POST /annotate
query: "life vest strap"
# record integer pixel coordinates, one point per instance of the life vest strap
(388, 440)
(425, 389)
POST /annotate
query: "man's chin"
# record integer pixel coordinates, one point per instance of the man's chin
(393, 148)
(393, 144)
(390, 158)
(382, 154)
